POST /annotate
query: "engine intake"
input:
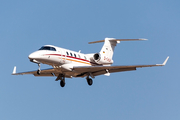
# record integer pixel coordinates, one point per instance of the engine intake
(97, 56)
(101, 59)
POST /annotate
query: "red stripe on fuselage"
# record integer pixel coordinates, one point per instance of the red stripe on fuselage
(69, 57)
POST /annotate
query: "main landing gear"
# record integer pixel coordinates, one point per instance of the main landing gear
(62, 78)
(62, 83)
(89, 81)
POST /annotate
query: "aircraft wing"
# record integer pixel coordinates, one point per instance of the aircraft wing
(92, 70)
(44, 72)
(99, 70)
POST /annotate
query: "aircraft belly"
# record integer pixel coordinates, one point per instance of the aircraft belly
(50, 60)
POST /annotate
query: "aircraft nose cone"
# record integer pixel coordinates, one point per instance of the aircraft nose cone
(32, 56)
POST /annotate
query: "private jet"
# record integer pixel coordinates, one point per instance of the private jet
(68, 64)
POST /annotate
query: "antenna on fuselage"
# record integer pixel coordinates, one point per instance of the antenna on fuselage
(79, 51)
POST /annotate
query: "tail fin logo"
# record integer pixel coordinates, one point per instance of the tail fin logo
(107, 59)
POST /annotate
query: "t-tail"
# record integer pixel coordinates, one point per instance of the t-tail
(105, 56)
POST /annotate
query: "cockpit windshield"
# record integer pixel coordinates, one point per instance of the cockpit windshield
(47, 48)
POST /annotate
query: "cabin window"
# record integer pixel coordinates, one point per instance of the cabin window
(67, 53)
(74, 55)
(79, 56)
(71, 54)
(47, 48)
(85, 57)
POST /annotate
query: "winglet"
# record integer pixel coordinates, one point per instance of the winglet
(164, 63)
(14, 70)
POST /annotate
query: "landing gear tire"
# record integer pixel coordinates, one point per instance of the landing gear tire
(62, 83)
(89, 81)
(38, 72)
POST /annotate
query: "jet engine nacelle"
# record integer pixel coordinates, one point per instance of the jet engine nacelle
(102, 59)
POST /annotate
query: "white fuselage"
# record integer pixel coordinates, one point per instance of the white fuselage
(64, 60)
(60, 56)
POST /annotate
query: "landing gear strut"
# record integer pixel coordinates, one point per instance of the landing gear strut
(39, 70)
(89, 81)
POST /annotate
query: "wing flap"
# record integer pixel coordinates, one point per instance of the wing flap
(44, 74)
(112, 71)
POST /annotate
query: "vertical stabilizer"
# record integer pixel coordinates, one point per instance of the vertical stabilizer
(108, 47)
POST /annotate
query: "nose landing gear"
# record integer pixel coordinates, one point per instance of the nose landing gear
(39, 69)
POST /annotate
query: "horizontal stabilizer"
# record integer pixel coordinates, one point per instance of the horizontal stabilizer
(118, 40)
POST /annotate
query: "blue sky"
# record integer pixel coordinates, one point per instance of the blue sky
(148, 93)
